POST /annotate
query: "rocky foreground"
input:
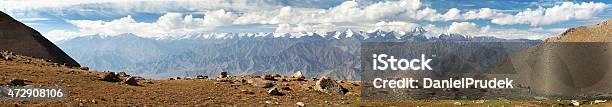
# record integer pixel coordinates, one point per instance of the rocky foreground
(94, 88)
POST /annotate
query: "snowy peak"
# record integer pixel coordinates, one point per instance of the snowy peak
(452, 36)
(419, 30)
(416, 34)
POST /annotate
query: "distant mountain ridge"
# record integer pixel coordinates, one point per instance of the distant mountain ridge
(335, 54)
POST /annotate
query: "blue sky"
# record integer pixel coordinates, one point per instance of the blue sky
(65, 19)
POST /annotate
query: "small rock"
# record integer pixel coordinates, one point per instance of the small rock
(9, 56)
(314, 79)
(274, 91)
(247, 92)
(178, 78)
(84, 68)
(224, 80)
(223, 75)
(148, 82)
(29, 61)
(478, 101)
(139, 78)
(300, 104)
(201, 77)
(458, 103)
(600, 101)
(242, 81)
(19, 82)
(286, 88)
(260, 83)
(298, 74)
(575, 102)
(267, 77)
(171, 79)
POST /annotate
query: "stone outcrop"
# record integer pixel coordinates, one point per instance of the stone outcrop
(329, 86)
(110, 77)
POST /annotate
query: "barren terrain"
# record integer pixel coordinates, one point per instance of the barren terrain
(89, 88)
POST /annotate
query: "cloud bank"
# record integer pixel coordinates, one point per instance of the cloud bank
(179, 17)
(559, 13)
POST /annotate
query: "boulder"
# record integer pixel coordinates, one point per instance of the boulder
(458, 104)
(123, 74)
(298, 74)
(222, 75)
(274, 91)
(201, 77)
(267, 77)
(19, 82)
(84, 68)
(577, 102)
(230, 80)
(329, 86)
(300, 104)
(110, 77)
(260, 83)
(132, 81)
(9, 56)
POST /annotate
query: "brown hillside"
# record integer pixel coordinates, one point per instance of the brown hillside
(88, 88)
(577, 62)
(601, 32)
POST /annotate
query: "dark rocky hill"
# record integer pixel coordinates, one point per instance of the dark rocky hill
(23, 40)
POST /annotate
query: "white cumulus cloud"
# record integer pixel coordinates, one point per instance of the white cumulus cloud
(167, 24)
(558, 13)
(401, 15)
(462, 27)
(219, 18)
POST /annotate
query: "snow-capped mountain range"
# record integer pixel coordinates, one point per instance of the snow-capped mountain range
(335, 54)
(348, 33)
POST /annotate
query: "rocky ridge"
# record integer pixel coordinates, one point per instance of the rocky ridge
(21, 39)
